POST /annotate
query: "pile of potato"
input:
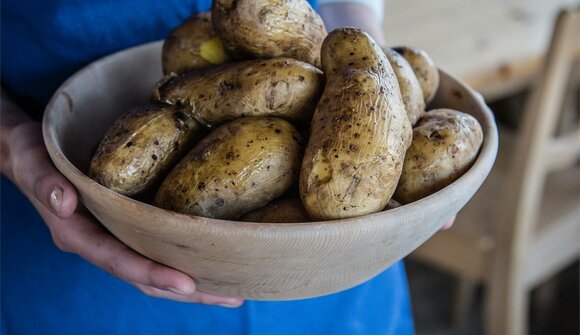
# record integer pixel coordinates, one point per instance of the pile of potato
(264, 117)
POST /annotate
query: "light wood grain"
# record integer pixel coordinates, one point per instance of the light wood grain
(495, 46)
(249, 260)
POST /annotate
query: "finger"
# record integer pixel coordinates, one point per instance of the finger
(82, 236)
(52, 189)
(449, 223)
(196, 297)
(151, 277)
(35, 174)
(92, 242)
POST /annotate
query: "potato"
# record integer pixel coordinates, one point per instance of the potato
(360, 131)
(281, 210)
(193, 45)
(411, 91)
(424, 68)
(238, 167)
(141, 146)
(392, 204)
(445, 144)
(266, 29)
(281, 87)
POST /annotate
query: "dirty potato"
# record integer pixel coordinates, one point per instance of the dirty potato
(266, 29)
(445, 144)
(238, 167)
(141, 146)
(193, 45)
(360, 131)
(411, 91)
(280, 87)
(424, 68)
(281, 210)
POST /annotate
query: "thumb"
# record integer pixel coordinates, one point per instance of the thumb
(54, 191)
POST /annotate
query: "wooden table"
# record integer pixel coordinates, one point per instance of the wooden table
(496, 46)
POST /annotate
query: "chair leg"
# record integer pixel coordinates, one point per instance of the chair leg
(462, 302)
(506, 300)
(517, 309)
(496, 309)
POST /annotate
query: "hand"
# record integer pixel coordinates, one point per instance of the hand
(449, 223)
(26, 162)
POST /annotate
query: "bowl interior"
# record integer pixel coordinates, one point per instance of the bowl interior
(254, 261)
(90, 101)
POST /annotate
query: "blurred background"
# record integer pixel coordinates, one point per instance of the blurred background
(509, 265)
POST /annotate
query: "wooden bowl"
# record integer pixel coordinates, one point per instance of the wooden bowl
(248, 260)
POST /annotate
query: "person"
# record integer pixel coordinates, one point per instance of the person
(48, 291)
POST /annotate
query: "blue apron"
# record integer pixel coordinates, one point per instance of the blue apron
(46, 291)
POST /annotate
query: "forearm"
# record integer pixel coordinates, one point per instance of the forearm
(336, 15)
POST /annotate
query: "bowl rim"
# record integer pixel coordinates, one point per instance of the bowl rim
(483, 163)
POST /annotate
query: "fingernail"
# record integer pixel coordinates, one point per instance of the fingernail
(229, 303)
(56, 199)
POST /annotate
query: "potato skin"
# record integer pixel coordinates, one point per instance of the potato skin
(360, 131)
(269, 28)
(193, 45)
(280, 87)
(238, 167)
(445, 144)
(411, 91)
(281, 210)
(141, 146)
(424, 68)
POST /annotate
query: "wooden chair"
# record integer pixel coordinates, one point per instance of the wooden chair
(523, 226)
